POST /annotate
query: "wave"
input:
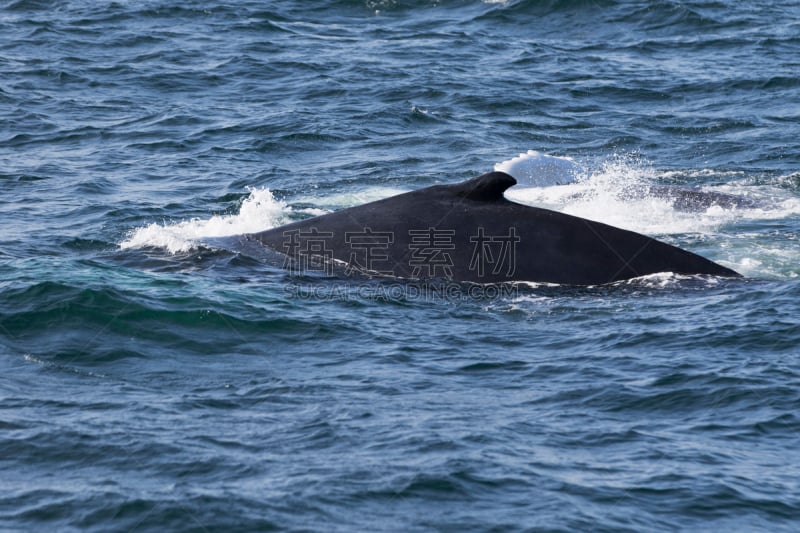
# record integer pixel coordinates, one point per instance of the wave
(65, 325)
(259, 211)
(627, 192)
(705, 210)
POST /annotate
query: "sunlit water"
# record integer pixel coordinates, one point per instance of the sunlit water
(154, 380)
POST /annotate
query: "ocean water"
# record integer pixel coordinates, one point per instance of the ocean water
(152, 381)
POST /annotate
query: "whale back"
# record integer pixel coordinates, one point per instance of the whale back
(470, 232)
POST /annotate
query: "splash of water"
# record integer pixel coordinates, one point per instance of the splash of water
(610, 192)
(535, 169)
(616, 193)
(259, 211)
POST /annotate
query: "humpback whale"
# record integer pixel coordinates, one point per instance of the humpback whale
(470, 232)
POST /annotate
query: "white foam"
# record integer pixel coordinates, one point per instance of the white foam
(259, 211)
(752, 255)
(535, 169)
(615, 192)
(608, 194)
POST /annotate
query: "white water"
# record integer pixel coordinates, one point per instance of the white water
(564, 185)
(535, 169)
(604, 194)
(258, 212)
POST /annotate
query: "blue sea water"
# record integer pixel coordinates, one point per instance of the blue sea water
(150, 381)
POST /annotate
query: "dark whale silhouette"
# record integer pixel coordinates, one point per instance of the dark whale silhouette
(470, 232)
(693, 199)
(686, 198)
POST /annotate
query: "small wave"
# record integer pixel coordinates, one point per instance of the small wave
(259, 211)
(536, 169)
(609, 194)
(623, 192)
(753, 255)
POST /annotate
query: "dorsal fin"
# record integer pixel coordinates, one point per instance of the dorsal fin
(487, 187)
